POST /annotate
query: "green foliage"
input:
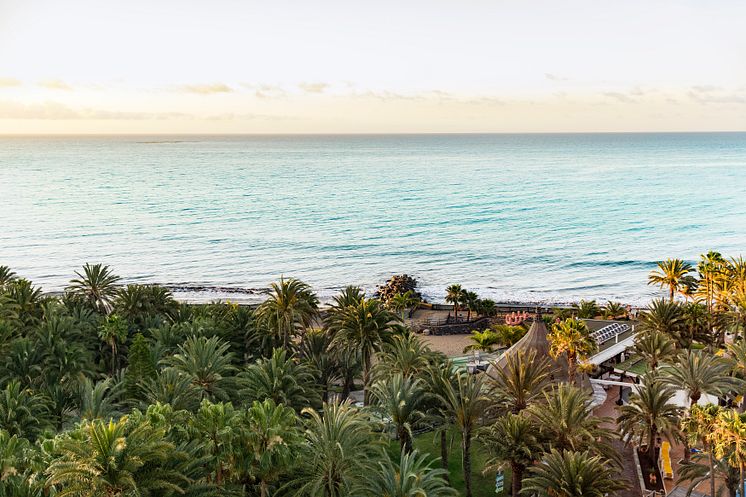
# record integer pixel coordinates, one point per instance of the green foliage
(140, 366)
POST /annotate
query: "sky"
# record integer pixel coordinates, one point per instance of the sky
(353, 66)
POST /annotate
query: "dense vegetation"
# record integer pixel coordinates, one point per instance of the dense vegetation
(118, 390)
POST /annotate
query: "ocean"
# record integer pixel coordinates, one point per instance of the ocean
(520, 218)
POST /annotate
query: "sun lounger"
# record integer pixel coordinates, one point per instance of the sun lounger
(666, 467)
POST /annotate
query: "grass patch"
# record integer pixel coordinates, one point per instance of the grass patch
(481, 485)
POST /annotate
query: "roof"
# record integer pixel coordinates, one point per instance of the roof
(535, 339)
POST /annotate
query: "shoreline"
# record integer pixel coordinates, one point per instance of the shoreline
(204, 294)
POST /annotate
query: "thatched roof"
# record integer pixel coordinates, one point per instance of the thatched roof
(535, 339)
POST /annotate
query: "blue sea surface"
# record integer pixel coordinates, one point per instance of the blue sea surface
(551, 218)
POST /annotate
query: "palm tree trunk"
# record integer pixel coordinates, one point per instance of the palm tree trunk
(740, 472)
(113, 357)
(466, 459)
(516, 478)
(444, 452)
(571, 369)
(405, 441)
(366, 378)
(263, 489)
(712, 473)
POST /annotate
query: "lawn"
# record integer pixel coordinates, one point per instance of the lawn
(481, 485)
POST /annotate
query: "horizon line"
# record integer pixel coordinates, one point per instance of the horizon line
(412, 133)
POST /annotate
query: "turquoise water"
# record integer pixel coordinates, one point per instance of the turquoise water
(514, 217)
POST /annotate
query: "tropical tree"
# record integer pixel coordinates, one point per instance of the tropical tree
(698, 373)
(97, 284)
(6, 276)
(521, 381)
(572, 474)
(508, 335)
(114, 459)
(173, 387)
(214, 426)
(99, 400)
(270, 438)
(466, 401)
(412, 477)
(290, 308)
(588, 309)
(512, 441)
(207, 361)
(21, 412)
(614, 310)
(698, 425)
(566, 421)
(405, 354)
(281, 379)
(664, 316)
(401, 399)
(654, 347)
(696, 472)
(729, 439)
(401, 302)
(572, 339)
(113, 332)
(454, 295)
(364, 328)
(439, 377)
(471, 299)
(670, 274)
(339, 453)
(650, 413)
(483, 341)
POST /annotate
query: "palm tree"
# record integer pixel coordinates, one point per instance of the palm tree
(401, 399)
(338, 454)
(737, 353)
(664, 316)
(412, 477)
(466, 404)
(113, 332)
(454, 295)
(364, 328)
(6, 276)
(207, 361)
(588, 309)
(484, 341)
(403, 301)
(316, 350)
(99, 400)
(439, 378)
(270, 438)
(654, 347)
(572, 474)
(729, 439)
(521, 382)
(172, 387)
(21, 412)
(614, 310)
(696, 321)
(349, 296)
(509, 335)
(711, 268)
(281, 379)
(670, 273)
(699, 373)
(114, 460)
(571, 338)
(487, 307)
(405, 354)
(97, 284)
(290, 308)
(698, 425)
(649, 414)
(696, 472)
(566, 421)
(213, 425)
(512, 441)
(471, 299)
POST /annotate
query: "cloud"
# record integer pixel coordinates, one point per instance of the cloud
(55, 84)
(554, 77)
(313, 87)
(708, 94)
(619, 96)
(208, 89)
(9, 82)
(56, 111)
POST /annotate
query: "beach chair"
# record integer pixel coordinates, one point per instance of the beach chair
(666, 467)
